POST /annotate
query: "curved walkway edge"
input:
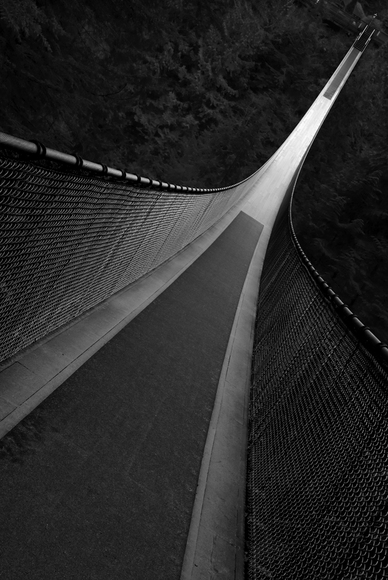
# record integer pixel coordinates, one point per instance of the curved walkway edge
(215, 545)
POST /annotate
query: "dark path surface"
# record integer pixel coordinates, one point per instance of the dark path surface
(99, 481)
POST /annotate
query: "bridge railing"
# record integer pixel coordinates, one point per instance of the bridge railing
(70, 238)
(317, 499)
(317, 492)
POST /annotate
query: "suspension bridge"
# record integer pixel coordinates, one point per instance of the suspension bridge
(139, 440)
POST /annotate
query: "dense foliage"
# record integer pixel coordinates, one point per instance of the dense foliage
(202, 93)
(341, 202)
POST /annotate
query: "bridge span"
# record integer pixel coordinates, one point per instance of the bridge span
(138, 299)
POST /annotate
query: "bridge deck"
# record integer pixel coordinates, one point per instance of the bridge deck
(99, 480)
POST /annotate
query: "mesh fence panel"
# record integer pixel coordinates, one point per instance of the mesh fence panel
(317, 495)
(68, 241)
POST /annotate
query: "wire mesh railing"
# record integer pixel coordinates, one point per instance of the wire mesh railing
(71, 239)
(317, 491)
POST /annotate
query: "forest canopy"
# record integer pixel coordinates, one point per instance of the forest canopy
(202, 93)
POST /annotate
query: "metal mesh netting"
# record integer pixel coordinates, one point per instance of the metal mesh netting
(317, 494)
(69, 241)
